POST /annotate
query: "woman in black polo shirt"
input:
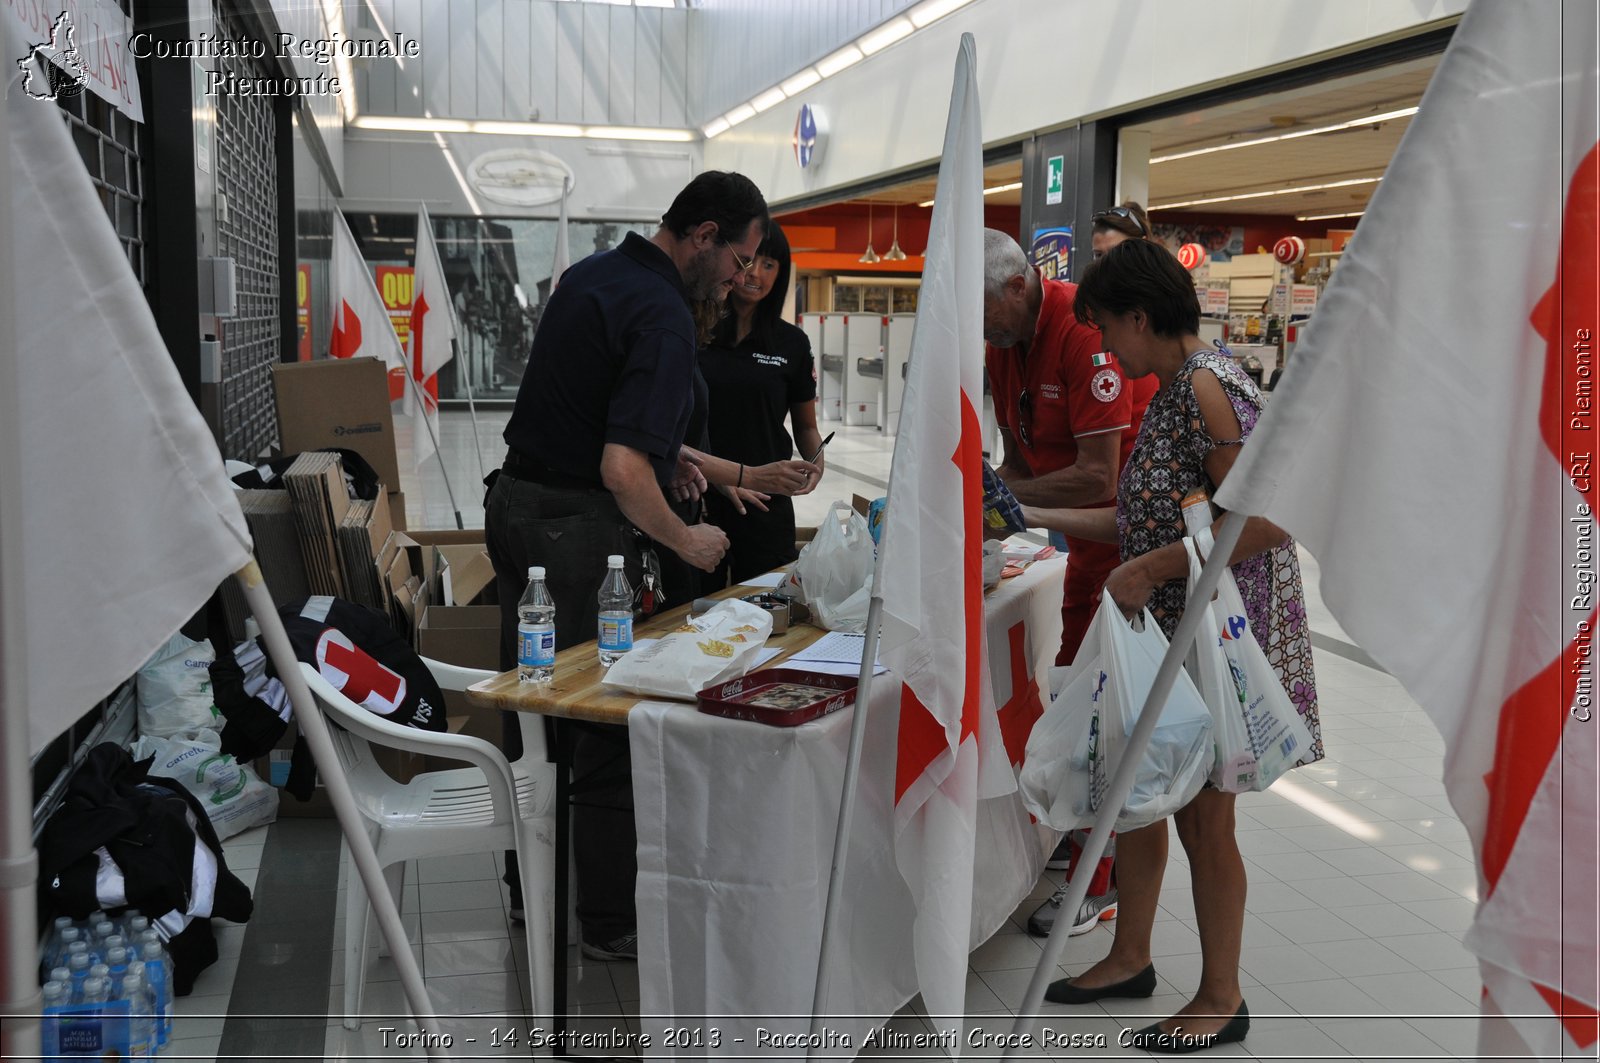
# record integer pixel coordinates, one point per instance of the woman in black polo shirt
(758, 368)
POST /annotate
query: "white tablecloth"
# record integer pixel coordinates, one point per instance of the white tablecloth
(736, 823)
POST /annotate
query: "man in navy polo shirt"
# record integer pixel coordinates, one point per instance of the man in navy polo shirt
(593, 458)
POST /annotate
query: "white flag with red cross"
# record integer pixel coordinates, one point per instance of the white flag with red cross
(1433, 444)
(930, 574)
(433, 333)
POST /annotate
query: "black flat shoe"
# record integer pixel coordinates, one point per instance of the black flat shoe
(1152, 1039)
(1142, 984)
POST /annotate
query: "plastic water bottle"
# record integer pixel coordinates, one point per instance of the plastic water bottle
(78, 967)
(616, 613)
(142, 1035)
(64, 937)
(57, 995)
(536, 631)
(158, 976)
(98, 939)
(117, 959)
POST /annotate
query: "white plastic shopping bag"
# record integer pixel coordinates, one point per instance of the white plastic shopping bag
(834, 571)
(720, 644)
(234, 797)
(174, 688)
(1077, 744)
(1258, 731)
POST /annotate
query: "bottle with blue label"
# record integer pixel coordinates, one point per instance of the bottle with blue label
(616, 613)
(536, 631)
(158, 977)
(96, 1026)
(57, 997)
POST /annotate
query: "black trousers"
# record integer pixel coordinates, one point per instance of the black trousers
(570, 532)
(757, 542)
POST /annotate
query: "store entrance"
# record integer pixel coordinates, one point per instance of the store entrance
(1262, 194)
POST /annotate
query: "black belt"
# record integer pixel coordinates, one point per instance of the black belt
(521, 467)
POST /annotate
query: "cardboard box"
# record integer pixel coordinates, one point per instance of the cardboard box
(465, 575)
(469, 636)
(339, 402)
(466, 635)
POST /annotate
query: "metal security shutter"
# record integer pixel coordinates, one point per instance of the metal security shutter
(247, 177)
(110, 144)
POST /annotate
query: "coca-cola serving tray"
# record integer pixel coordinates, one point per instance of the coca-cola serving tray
(779, 697)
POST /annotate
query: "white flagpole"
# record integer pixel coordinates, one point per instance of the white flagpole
(472, 407)
(19, 862)
(315, 729)
(847, 808)
(1122, 781)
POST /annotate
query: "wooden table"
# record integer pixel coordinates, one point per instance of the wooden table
(578, 691)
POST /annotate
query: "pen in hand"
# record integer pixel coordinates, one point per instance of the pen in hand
(820, 448)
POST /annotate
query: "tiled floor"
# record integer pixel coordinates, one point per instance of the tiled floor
(1361, 883)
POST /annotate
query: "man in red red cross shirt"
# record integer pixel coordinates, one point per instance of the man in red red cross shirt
(1068, 417)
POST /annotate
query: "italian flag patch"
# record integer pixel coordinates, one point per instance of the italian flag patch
(1100, 359)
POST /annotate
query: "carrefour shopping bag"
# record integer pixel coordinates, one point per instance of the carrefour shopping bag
(1077, 744)
(1258, 731)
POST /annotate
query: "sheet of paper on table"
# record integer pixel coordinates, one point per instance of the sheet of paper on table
(766, 581)
(836, 653)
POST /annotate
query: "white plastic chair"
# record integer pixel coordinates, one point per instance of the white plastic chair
(446, 813)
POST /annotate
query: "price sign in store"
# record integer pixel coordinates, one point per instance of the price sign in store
(1302, 300)
(1216, 301)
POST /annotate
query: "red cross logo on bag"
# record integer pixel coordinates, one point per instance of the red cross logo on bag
(357, 676)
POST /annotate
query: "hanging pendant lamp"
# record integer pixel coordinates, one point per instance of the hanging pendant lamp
(894, 254)
(869, 255)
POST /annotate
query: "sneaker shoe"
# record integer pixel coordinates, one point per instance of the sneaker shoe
(625, 947)
(1061, 859)
(1093, 911)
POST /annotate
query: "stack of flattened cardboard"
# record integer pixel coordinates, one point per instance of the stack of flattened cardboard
(362, 535)
(315, 483)
(270, 515)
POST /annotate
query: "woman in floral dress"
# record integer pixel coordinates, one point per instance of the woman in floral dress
(1144, 303)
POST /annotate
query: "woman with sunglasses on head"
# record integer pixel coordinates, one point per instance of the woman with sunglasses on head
(1145, 306)
(758, 369)
(1126, 221)
(1110, 227)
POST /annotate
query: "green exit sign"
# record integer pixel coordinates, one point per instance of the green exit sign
(1053, 169)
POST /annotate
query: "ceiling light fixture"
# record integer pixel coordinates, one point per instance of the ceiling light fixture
(429, 124)
(768, 100)
(845, 57)
(801, 81)
(1354, 123)
(739, 114)
(933, 10)
(715, 127)
(894, 254)
(869, 255)
(897, 28)
(1261, 195)
(1326, 217)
